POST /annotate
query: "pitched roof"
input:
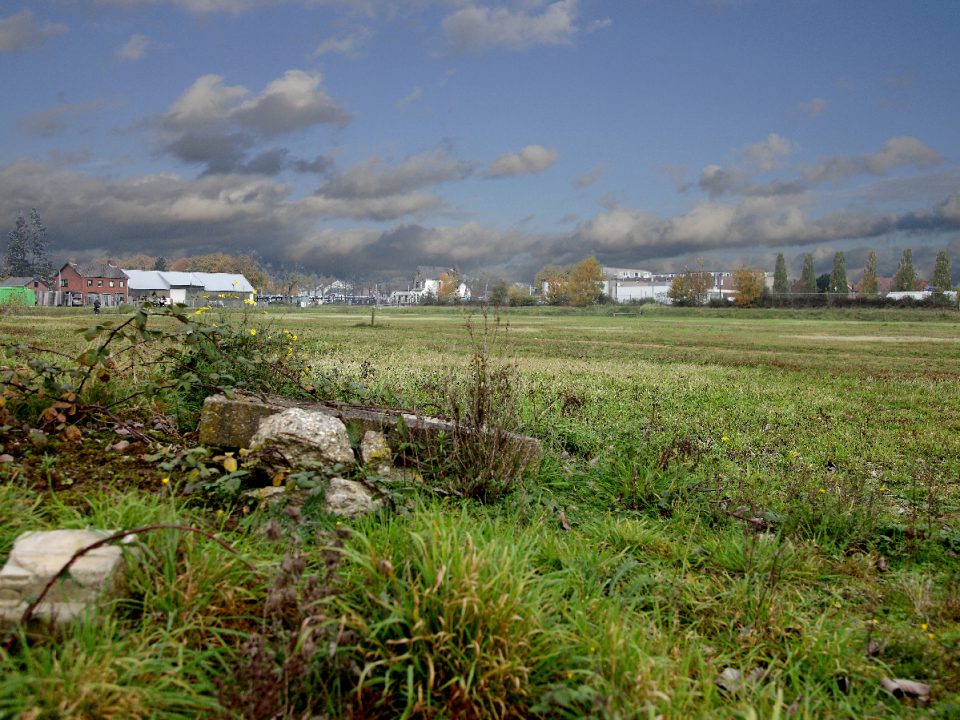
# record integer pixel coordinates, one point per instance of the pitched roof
(17, 281)
(98, 270)
(146, 280)
(225, 282)
(210, 282)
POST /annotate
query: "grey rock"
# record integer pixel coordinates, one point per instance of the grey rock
(376, 452)
(350, 498)
(303, 437)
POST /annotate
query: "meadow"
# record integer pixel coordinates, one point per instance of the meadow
(738, 514)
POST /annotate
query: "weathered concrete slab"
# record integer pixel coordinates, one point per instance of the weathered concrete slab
(232, 422)
(38, 556)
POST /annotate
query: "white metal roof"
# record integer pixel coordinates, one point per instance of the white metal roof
(146, 280)
(210, 282)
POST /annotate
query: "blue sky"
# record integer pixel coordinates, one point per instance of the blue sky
(364, 137)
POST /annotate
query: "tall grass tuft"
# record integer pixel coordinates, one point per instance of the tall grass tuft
(449, 617)
(480, 458)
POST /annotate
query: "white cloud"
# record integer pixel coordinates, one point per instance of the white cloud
(208, 100)
(344, 45)
(198, 6)
(768, 153)
(290, 103)
(376, 178)
(599, 25)
(54, 120)
(380, 209)
(21, 31)
(409, 98)
(902, 151)
(813, 108)
(532, 159)
(592, 177)
(135, 48)
(217, 124)
(477, 27)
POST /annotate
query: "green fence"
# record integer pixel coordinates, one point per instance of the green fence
(17, 296)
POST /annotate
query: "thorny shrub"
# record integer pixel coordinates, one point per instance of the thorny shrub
(133, 362)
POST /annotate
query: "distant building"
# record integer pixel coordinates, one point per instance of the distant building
(188, 288)
(85, 284)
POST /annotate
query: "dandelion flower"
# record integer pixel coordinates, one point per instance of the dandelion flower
(165, 481)
(252, 331)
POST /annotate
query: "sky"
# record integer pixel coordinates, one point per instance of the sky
(366, 137)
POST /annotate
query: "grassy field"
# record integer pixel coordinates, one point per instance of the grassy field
(771, 492)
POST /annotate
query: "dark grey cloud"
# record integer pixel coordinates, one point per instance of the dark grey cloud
(320, 165)
(218, 150)
(252, 213)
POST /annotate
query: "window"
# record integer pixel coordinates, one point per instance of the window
(99, 283)
(119, 298)
(89, 283)
(63, 283)
(111, 283)
(121, 283)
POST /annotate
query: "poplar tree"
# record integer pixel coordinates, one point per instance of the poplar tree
(809, 275)
(838, 278)
(942, 277)
(906, 275)
(781, 284)
(868, 286)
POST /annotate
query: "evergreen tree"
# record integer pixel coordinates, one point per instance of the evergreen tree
(838, 278)
(809, 275)
(17, 259)
(37, 249)
(906, 276)
(942, 277)
(781, 284)
(160, 263)
(868, 286)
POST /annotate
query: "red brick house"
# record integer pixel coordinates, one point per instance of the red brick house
(84, 284)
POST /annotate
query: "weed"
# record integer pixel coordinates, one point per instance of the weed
(480, 457)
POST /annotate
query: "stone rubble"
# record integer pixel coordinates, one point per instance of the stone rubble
(38, 556)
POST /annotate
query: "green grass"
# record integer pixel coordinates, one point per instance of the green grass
(772, 491)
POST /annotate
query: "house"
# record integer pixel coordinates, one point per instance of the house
(188, 288)
(85, 284)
